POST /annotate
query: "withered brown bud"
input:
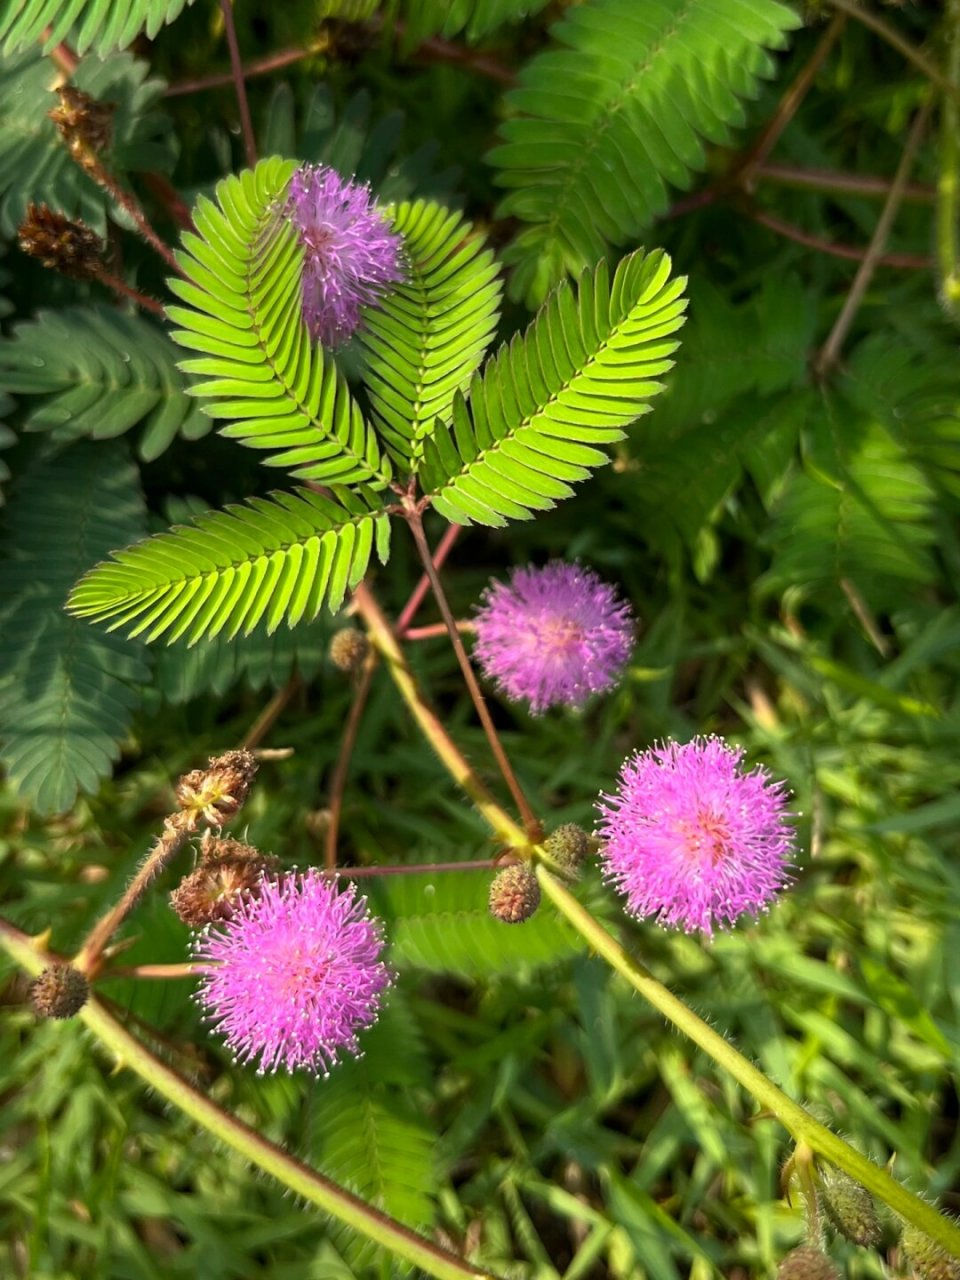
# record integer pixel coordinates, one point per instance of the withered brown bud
(59, 992)
(229, 869)
(807, 1263)
(215, 795)
(928, 1260)
(850, 1207)
(514, 894)
(85, 124)
(60, 243)
(568, 846)
(348, 649)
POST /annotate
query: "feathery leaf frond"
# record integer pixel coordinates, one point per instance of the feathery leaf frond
(67, 692)
(476, 18)
(620, 110)
(426, 340)
(582, 372)
(258, 366)
(101, 372)
(277, 559)
(99, 25)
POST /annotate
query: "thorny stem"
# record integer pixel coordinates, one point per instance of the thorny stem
(530, 820)
(177, 830)
(338, 780)
(849, 252)
(127, 291)
(831, 348)
(948, 229)
(265, 1155)
(444, 547)
(903, 46)
(791, 1115)
(383, 638)
(236, 70)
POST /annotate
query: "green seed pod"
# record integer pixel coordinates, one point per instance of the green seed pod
(849, 1207)
(568, 846)
(59, 992)
(349, 649)
(928, 1260)
(514, 894)
(807, 1263)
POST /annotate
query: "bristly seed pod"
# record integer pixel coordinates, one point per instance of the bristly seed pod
(60, 243)
(514, 894)
(849, 1207)
(349, 649)
(928, 1260)
(215, 795)
(807, 1263)
(85, 124)
(229, 870)
(59, 992)
(568, 846)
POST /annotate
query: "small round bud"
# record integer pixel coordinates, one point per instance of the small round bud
(928, 1260)
(215, 794)
(568, 846)
(514, 894)
(60, 243)
(59, 992)
(349, 649)
(849, 1207)
(807, 1263)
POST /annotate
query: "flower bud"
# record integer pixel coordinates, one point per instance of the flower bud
(228, 870)
(514, 894)
(215, 794)
(348, 649)
(60, 243)
(85, 125)
(928, 1260)
(849, 1207)
(59, 992)
(568, 846)
(807, 1263)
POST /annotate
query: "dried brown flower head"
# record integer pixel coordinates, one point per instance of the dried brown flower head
(228, 870)
(85, 124)
(215, 795)
(60, 243)
(59, 992)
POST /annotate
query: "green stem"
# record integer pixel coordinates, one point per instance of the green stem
(791, 1115)
(948, 250)
(299, 1178)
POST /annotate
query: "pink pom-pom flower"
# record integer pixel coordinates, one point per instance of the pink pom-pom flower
(692, 839)
(294, 974)
(350, 253)
(553, 636)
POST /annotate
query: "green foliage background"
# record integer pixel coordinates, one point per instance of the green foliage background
(789, 544)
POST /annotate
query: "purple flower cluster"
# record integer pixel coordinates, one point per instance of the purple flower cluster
(294, 974)
(553, 636)
(350, 256)
(694, 841)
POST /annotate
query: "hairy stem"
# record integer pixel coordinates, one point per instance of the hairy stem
(383, 638)
(791, 1115)
(236, 71)
(444, 547)
(265, 1155)
(830, 352)
(948, 227)
(530, 820)
(127, 291)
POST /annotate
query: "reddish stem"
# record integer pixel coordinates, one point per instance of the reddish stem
(127, 291)
(902, 261)
(236, 71)
(338, 782)
(444, 547)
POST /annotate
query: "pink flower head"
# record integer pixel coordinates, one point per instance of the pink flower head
(554, 635)
(294, 974)
(693, 840)
(350, 252)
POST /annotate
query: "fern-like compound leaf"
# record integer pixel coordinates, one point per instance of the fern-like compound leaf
(100, 372)
(273, 559)
(67, 693)
(426, 340)
(618, 111)
(539, 413)
(99, 25)
(259, 367)
(475, 18)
